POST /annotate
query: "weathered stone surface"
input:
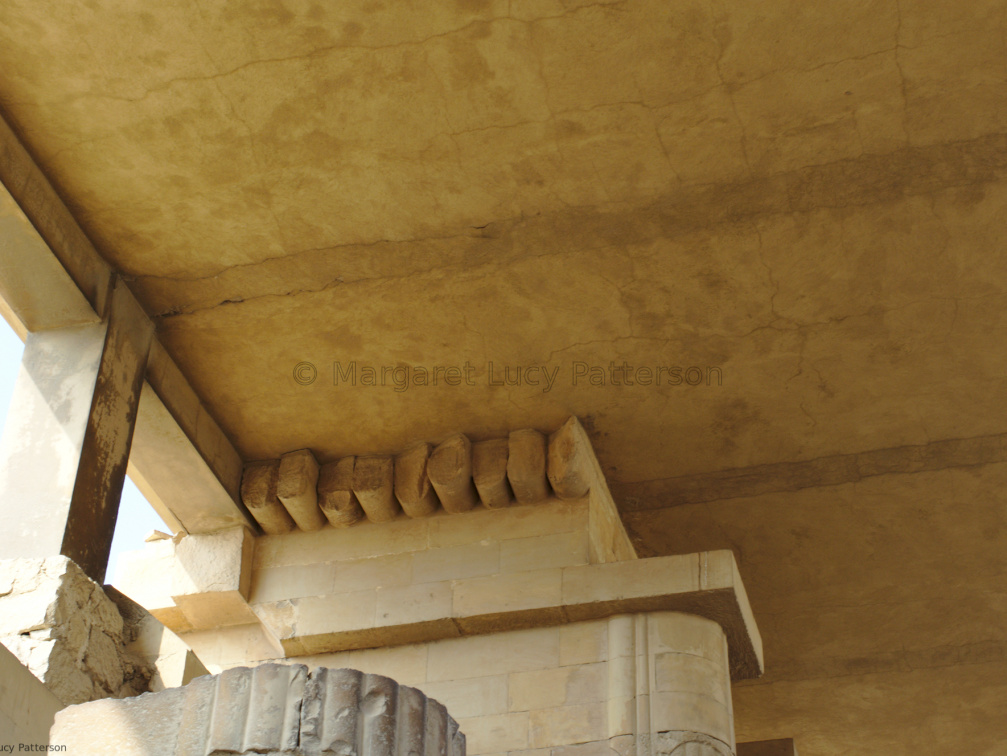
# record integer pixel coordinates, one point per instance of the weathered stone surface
(272, 709)
(570, 456)
(412, 484)
(489, 472)
(779, 747)
(686, 743)
(296, 489)
(450, 470)
(526, 466)
(374, 487)
(335, 493)
(258, 492)
(63, 627)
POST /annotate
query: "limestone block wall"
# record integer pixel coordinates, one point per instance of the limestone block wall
(415, 575)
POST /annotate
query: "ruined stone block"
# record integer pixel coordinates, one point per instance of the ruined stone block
(63, 627)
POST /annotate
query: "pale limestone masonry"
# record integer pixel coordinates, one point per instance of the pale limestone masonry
(271, 709)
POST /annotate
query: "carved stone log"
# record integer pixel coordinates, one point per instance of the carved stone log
(450, 470)
(374, 487)
(489, 472)
(258, 492)
(335, 493)
(526, 466)
(412, 484)
(569, 465)
(296, 489)
(269, 709)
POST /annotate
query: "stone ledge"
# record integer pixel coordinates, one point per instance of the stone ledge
(705, 584)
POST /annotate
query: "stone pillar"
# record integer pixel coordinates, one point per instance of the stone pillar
(65, 445)
(269, 709)
(669, 686)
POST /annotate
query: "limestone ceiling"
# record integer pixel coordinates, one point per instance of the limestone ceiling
(809, 197)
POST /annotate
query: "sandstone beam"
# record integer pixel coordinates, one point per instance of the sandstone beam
(335, 493)
(296, 489)
(258, 491)
(489, 472)
(412, 484)
(373, 485)
(526, 466)
(450, 470)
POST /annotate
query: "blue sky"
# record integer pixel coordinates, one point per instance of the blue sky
(136, 517)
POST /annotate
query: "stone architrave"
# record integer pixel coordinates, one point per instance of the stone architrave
(269, 709)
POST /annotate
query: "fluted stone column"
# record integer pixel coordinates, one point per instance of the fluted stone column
(269, 709)
(669, 686)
